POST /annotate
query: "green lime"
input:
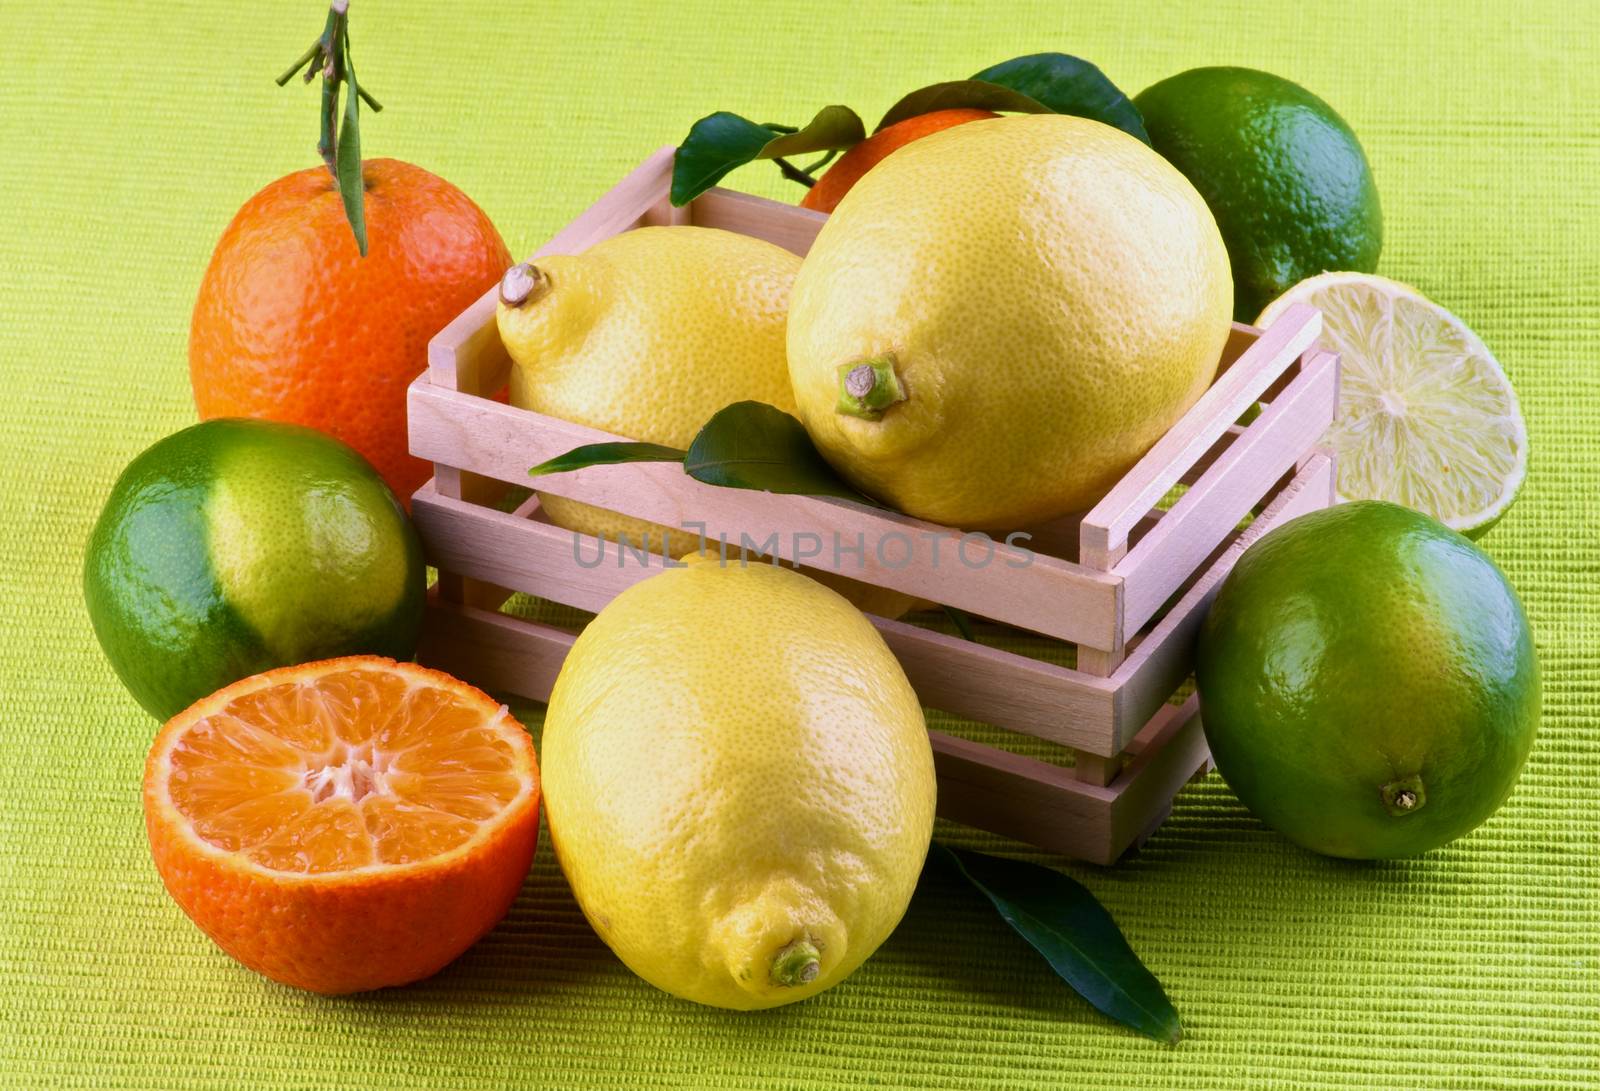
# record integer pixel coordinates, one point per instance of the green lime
(1367, 681)
(236, 546)
(1282, 173)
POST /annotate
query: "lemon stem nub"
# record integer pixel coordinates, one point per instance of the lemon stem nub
(868, 387)
(797, 964)
(522, 282)
(1404, 796)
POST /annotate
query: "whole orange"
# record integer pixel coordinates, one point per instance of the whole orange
(833, 185)
(293, 324)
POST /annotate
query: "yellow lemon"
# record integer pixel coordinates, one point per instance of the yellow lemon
(738, 782)
(646, 335)
(1000, 318)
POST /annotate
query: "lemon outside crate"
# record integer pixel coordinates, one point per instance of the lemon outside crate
(1127, 582)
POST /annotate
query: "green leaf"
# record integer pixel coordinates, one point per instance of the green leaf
(1043, 83)
(833, 129)
(752, 445)
(961, 621)
(1069, 85)
(718, 143)
(606, 454)
(1063, 922)
(747, 445)
(512, 499)
(957, 94)
(351, 188)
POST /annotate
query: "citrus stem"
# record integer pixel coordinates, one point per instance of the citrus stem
(794, 173)
(1404, 796)
(320, 49)
(812, 168)
(317, 48)
(340, 147)
(806, 175)
(796, 964)
(868, 387)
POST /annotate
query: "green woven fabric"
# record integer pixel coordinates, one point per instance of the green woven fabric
(129, 133)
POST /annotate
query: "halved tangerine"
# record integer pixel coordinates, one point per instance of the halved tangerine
(343, 825)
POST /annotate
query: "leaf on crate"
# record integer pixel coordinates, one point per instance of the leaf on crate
(606, 454)
(746, 445)
(719, 142)
(961, 621)
(1063, 922)
(752, 445)
(1042, 83)
(512, 499)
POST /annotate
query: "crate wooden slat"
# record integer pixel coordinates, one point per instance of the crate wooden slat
(1235, 390)
(1127, 582)
(1226, 492)
(1032, 800)
(1013, 691)
(1051, 596)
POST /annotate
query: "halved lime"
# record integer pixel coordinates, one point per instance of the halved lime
(1427, 418)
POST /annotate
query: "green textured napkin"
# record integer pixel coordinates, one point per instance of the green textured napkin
(129, 134)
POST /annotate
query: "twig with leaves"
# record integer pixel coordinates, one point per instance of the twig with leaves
(340, 144)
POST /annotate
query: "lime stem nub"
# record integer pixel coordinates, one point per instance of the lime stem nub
(796, 964)
(1404, 796)
(521, 283)
(868, 387)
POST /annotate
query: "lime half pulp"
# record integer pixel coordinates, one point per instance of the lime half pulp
(1427, 418)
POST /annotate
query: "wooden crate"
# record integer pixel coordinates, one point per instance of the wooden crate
(1127, 583)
